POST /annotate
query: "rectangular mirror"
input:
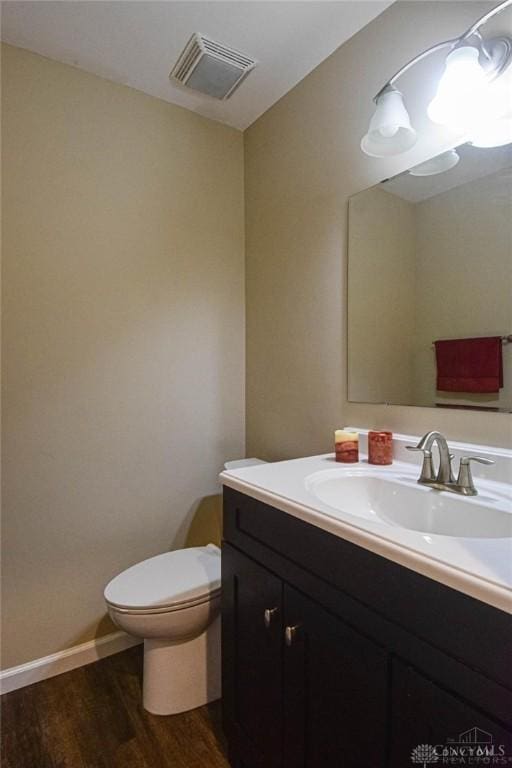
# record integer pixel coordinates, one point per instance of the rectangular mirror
(430, 259)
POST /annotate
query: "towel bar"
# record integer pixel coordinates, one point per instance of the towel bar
(505, 340)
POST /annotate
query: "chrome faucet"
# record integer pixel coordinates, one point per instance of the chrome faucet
(444, 480)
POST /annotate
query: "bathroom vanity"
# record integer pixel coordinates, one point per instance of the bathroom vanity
(346, 642)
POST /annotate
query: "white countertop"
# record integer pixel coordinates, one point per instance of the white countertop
(479, 567)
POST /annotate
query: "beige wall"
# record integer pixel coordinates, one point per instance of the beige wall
(302, 163)
(464, 278)
(123, 338)
(381, 302)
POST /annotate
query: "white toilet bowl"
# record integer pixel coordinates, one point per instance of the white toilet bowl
(173, 602)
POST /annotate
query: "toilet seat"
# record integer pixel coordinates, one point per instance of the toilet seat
(166, 609)
(169, 582)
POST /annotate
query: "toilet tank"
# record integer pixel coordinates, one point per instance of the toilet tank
(206, 522)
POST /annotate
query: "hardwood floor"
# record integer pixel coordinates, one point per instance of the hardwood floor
(92, 717)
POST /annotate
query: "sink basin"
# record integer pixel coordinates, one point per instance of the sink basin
(396, 499)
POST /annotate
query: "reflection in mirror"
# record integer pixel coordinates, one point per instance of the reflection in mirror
(430, 260)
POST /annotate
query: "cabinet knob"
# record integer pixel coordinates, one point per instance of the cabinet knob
(291, 634)
(268, 615)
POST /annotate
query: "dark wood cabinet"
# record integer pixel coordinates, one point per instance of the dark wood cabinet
(252, 659)
(333, 656)
(425, 713)
(335, 688)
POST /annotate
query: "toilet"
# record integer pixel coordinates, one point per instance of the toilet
(172, 601)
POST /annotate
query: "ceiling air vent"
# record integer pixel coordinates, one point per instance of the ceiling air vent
(211, 68)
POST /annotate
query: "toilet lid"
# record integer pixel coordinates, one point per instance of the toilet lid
(173, 578)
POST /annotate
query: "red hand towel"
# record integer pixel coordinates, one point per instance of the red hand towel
(469, 365)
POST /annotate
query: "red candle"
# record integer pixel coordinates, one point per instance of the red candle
(380, 447)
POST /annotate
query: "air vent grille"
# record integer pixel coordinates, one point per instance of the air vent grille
(211, 68)
(227, 53)
(187, 61)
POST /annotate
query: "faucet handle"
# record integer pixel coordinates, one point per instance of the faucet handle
(427, 470)
(466, 459)
(465, 478)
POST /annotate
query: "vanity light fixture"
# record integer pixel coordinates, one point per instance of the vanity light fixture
(468, 97)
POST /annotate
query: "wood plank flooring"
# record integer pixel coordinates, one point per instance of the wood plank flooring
(92, 717)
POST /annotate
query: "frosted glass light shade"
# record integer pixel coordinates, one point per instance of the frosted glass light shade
(438, 164)
(390, 131)
(464, 94)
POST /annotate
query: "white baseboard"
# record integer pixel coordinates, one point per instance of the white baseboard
(64, 661)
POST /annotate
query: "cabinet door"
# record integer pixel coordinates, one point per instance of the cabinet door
(251, 660)
(335, 684)
(424, 713)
